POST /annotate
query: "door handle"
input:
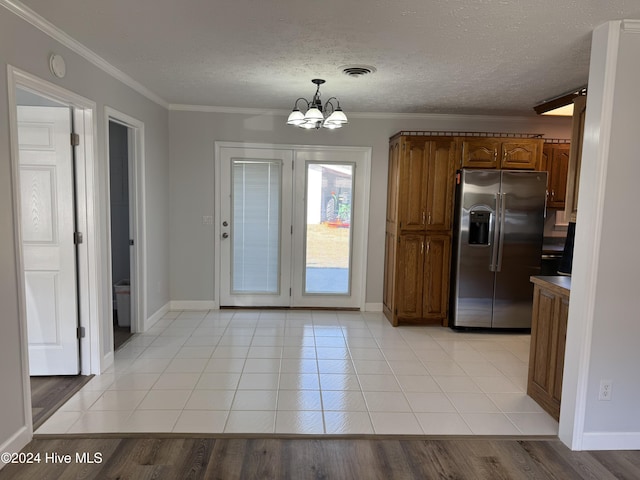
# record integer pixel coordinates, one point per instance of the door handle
(225, 235)
(496, 235)
(503, 208)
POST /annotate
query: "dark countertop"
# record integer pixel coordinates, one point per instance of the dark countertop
(559, 284)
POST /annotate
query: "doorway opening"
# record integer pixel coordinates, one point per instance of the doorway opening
(125, 139)
(121, 240)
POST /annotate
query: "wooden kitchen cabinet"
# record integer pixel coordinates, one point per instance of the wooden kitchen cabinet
(423, 264)
(420, 192)
(508, 154)
(548, 339)
(426, 182)
(523, 154)
(555, 161)
(480, 152)
(575, 157)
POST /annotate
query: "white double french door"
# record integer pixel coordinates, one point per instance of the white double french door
(291, 226)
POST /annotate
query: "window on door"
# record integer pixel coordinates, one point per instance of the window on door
(327, 262)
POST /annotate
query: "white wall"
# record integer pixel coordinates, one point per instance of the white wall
(27, 48)
(604, 320)
(192, 185)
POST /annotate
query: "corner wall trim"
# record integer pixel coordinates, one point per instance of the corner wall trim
(151, 321)
(16, 442)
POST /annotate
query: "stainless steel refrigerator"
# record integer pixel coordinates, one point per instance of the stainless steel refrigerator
(497, 246)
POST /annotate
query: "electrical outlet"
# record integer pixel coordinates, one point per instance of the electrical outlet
(605, 390)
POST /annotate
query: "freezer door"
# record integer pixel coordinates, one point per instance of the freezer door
(473, 279)
(522, 224)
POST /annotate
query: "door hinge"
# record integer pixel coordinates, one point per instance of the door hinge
(291, 229)
(80, 332)
(75, 139)
(131, 242)
(289, 292)
(77, 238)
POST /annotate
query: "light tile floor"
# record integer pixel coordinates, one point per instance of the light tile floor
(308, 372)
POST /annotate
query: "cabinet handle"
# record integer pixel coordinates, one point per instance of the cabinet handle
(423, 217)
(422, 248)
(429, 221)
(428, 246)
(553, 194)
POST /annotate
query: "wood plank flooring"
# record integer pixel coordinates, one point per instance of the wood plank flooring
(235, 457)
(49, 393)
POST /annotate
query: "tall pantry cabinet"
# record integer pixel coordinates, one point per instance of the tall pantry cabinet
(418, 229)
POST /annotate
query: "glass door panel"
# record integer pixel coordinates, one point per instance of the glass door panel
(328, 239)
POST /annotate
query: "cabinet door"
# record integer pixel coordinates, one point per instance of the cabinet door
(392, 181)
(436, 277)
(440, 183)
(575, 157)
(561, 336)
(389, 276)
(543, 351)
(558, 167)
(413, 187)
(480, 153)
(522, 154)
(409, 273)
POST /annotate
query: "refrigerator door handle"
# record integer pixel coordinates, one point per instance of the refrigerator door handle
(496, 235)
(503, 208)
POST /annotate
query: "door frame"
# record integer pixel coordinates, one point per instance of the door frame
(89, 267)
(136, 168)
(363, 222)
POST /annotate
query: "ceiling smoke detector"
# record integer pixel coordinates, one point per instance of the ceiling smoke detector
(357, 71)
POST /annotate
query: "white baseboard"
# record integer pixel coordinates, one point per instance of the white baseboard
(193, 305)
(150, 322)
(373, 307)
(16, 442)
(611, 441)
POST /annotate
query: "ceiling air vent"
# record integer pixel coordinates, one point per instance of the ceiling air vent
(357, 70)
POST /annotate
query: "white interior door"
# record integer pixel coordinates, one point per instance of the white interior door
(47, 224)
(255, 226)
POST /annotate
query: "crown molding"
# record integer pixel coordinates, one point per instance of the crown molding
(631, 26)
(366, 115)
(28, 15)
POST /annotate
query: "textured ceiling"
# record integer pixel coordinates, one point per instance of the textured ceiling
(438, 56)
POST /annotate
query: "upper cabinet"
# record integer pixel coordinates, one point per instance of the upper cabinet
(575, 157)
(480, 152)
(555, 160)
(426, 182)
(518, 154)
(521, 154)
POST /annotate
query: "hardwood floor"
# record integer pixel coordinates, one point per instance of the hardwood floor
(49, 393)
(234, 457)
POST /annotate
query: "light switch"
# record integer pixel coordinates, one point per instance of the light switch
(207, 220)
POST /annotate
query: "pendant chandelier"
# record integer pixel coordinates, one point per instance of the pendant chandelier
(328, 116)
